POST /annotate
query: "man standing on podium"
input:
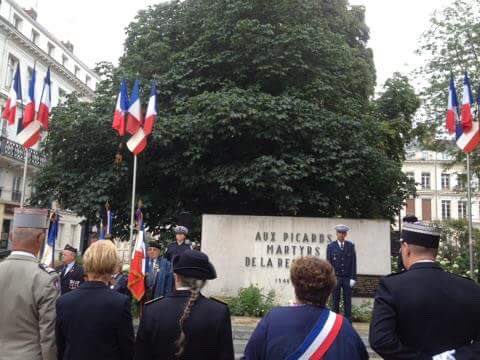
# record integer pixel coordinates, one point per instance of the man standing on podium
(341, 254)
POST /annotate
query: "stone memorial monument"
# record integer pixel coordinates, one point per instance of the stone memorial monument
(259, 250)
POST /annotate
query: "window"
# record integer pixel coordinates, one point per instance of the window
(461, 181)
(11, 67)
(425, 181)
(445, 181)
(17, 183)
(77, 71)
(17, 22)
(29, 74)
(35, 36)
(51, 49)
(462, 209)
(445, 209)
(64, 60)
(410, 175)
(62, 94)
(88, 80)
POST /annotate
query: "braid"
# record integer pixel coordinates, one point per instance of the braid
(195, 286)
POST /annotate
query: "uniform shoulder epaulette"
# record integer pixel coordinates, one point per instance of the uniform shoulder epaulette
(154, 300)
(47, 269)
(218, 300)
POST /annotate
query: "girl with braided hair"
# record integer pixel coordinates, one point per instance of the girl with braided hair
(185, 324)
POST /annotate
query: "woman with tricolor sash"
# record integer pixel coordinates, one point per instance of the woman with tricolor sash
(306, 330)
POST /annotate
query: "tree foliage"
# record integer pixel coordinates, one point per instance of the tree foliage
(264, 108)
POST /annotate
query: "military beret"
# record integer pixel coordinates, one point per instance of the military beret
(181, 230)
(70, 248)
(342, 228)
(194, 264)
(421, 235)
(30, 218)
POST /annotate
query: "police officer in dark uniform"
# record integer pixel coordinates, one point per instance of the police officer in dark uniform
(341, 254)
(71, 273)
(179, 245)
(425, 312)
(184, 324)
(411, 219)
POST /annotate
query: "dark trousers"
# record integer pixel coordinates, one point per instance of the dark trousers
(343, 283)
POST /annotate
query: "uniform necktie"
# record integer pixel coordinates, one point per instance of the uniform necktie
(341, 245)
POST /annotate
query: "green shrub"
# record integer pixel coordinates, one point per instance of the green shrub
(362, 313)
(252, 302)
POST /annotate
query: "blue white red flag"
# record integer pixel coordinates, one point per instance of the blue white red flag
(320, 337)
(10, 110)
(136, 276)
(134, 118)
(467, 130)
(30, 106)
(45, 102)
(121, 109)
(452, 112)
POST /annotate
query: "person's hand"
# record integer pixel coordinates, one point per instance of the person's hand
(352, 283)
(447, 355)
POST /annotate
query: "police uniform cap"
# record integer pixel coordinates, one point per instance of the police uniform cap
(421, 235)
(194, 264)
(155, 244)
(70, 248)
(30, 218)
(342, 228)
(181, 230)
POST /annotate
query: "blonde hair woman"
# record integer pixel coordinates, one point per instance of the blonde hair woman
(94, 322)
(184, 324)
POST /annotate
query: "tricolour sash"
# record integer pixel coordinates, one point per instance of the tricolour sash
(320, 337)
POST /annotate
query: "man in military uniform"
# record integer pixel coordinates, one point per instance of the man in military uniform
(180, 245)
(425, 312)
(341, 254)
(28, 292)
(71, 274)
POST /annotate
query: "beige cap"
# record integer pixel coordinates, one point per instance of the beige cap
(30, 218)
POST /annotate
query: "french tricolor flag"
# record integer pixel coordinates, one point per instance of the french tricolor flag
(45, 102)
(10, 111)
(467, 130)
(121, 109)
(151, 115)
(30, 107)
(134, 118)
(452, 112)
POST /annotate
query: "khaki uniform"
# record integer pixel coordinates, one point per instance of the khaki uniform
(27, 309)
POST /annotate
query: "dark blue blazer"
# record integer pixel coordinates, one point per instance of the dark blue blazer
(93, 323)
(281, 332)
(343, 261)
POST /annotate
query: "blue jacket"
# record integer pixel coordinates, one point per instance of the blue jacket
(343, 261)
(94, 322)
(281, 332)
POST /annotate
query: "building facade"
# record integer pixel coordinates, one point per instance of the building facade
(441, 188)
(25, 42)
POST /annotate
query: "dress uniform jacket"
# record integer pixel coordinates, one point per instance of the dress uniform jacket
(343, 261)
(426, 311)
(208, 329)
(94, 323)
(174, 249)
(71, 280)
(283, 330)
(28, 292)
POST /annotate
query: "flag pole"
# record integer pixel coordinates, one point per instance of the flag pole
(25, 165)
(132, 213)
(469, 213)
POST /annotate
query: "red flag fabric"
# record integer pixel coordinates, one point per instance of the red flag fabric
(136, 276)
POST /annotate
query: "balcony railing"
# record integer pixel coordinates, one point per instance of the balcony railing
(16, 151)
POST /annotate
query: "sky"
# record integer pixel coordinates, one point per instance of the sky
(97, 28)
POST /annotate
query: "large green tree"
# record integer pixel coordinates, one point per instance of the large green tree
(264, 108)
